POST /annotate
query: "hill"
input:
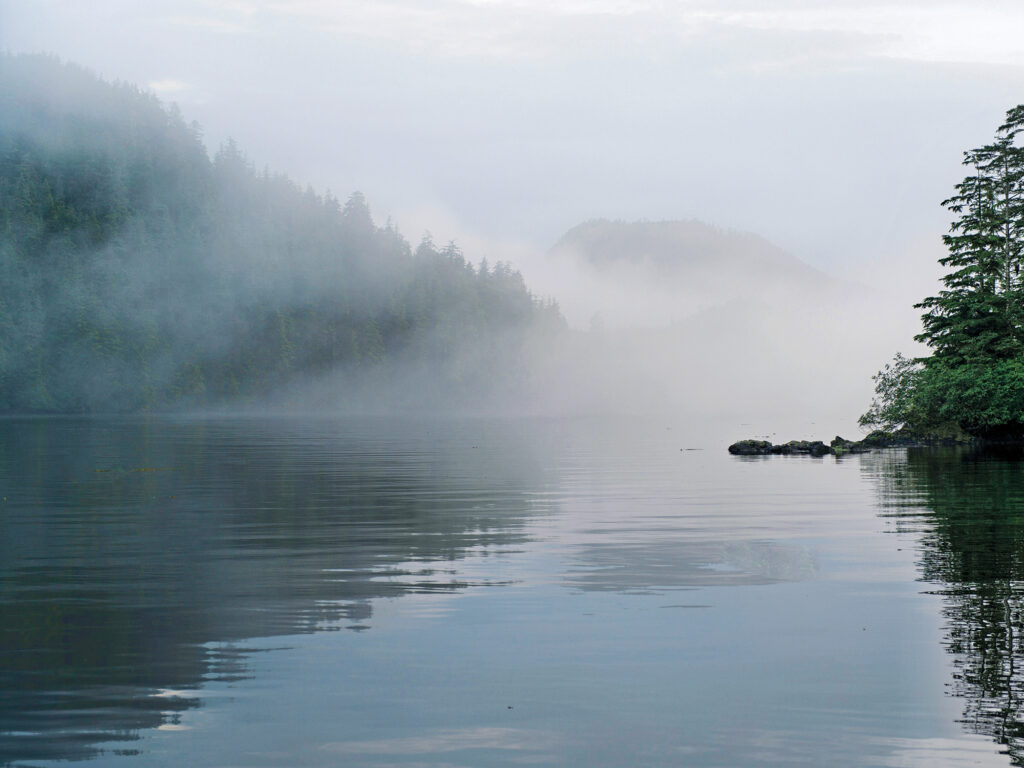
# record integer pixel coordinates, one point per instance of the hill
(660, 272)
(140, 273)
(682, 246)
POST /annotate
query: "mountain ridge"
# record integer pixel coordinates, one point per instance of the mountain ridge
(651, 273)
(675, 243)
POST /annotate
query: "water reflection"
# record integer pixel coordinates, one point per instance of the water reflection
(136, 559)
(530, 745)
(968, 510)
(682, 561)
(143, 564)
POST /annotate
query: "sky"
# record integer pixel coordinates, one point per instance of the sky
(833, 128)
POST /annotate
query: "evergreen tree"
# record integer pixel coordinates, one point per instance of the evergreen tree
(978, 316)
(974, 378)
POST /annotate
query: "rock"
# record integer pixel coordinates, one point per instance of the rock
(808, 447)
(841, 445)
(792, 448)
(751, 448)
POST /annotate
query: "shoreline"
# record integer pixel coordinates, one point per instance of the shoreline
(839, 446)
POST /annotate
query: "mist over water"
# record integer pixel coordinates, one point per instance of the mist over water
(688, 318)
(705, 323)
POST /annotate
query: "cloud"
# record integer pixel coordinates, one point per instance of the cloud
(168, 86)
(208, 24)
(955, 31)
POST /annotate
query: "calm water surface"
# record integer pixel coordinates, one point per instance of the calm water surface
(272, 592)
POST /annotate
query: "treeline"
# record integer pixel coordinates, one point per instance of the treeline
(137, 272)
(973, 381)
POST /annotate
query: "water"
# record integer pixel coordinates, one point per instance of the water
(287, 592)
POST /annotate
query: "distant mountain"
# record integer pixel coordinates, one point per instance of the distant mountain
(693, 264)
(678, 245)
(691, 318)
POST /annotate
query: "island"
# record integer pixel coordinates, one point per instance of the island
(970, 388)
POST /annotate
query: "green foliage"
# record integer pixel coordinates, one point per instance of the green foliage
(984, 399)
(974, 379)
(894, 406)
(139, 273)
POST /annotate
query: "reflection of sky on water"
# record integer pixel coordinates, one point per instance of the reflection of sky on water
(441, 742)
(597, 679)
(941, 753)
(674, 563)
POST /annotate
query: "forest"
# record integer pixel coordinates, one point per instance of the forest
(140, 273)
(972, 383)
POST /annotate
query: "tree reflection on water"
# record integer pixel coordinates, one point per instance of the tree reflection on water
(967, 507)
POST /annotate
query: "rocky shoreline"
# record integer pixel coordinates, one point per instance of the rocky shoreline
(838, 446)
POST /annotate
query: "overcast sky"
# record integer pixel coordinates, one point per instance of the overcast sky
(832, 128)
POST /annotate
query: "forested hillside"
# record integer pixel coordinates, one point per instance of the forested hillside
(137, 272)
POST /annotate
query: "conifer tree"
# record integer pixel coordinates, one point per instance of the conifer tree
(974, 379)
(978, 316)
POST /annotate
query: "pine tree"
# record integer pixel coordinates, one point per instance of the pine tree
(978, 317)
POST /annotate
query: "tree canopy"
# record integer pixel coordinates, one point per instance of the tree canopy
(973, 380)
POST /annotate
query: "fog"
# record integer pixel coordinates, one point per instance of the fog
(714, 326)
(782, 350)
(808, 144)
